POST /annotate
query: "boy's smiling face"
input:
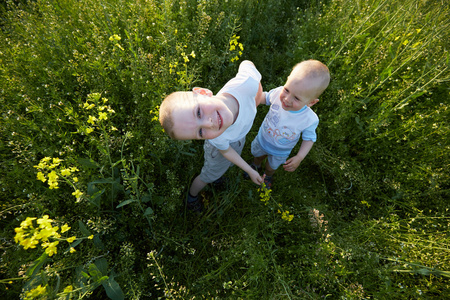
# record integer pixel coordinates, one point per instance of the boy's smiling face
(198, 117)
(298, 92)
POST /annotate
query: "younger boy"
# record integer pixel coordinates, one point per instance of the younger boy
(289, 117)
(222, 121)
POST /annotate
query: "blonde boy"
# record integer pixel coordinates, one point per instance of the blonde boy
(222, 121)
(290, 116)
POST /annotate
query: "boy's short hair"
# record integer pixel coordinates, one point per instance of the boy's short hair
(165, 112)
(316, 70)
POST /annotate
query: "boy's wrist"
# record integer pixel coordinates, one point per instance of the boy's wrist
(300, 157)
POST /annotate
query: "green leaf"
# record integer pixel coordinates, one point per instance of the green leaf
(37, 265)
(102, 265)
(89, 163)
(83, 229)
(85, 275)
(96, 197)
(148, 211)
(146, 197)
(126, 202)
(187, 153)
(103, 180)
(95, 272)
(113, 289)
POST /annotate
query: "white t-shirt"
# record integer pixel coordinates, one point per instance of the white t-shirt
(244, 88)
(281, 129)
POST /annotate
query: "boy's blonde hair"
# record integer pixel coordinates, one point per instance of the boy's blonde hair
(313, 69)
(166, 109)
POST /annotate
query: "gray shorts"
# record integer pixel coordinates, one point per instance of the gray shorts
(215, 163)
(274, 161)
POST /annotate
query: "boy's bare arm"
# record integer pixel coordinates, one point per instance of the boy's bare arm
(260, 96)
(236, 159)
(292, 163)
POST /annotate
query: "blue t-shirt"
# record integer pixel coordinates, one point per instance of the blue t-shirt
(281, 129)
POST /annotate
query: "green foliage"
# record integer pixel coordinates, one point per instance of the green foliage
(364, 216)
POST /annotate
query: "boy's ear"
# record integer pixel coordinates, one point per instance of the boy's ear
(312, 102)
(202, 91)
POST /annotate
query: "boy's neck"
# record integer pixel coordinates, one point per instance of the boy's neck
(231, 103)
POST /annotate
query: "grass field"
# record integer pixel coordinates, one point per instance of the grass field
(92, 189)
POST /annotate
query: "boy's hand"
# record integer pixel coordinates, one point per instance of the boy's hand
(256, 178)
(292, 163)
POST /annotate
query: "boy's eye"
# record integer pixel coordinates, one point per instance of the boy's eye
(200, 133)
(198, 113)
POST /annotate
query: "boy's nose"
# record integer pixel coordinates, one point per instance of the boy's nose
(208, 122)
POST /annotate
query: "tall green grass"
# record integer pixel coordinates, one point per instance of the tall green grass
(369, 204)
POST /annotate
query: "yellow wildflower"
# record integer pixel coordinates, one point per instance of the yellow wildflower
(27, 223)
(20, 235)
(53, 185)
(29, 243)
(65, 172)
(41, 165)
(92, 120)
(41, 177)
(46, 159)
(115, 37)
(45, 222)
(75, 179)
(52, 176)
(51, 249)
(53, 180)
(89, 130)
(56, 160)
(286, 216)
(36, 292)
(45, 233)
(71, 239)
(91, 237)
(88, 106)
(69, 288)
(102, 116)
(65, 228)
(77, 194)
(72, 250)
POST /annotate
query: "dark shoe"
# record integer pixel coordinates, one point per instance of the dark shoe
(257, 169)
(268, 181)
(194, 203)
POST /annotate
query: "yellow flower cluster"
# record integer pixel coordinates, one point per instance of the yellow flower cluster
(286, 216)
(115, 39)
(186, 58)
(30, 234)
(155, 113)
(36, 292)
(103, 111)
(236, 46)
(172, 67)
(50, 170)
(264, 193)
